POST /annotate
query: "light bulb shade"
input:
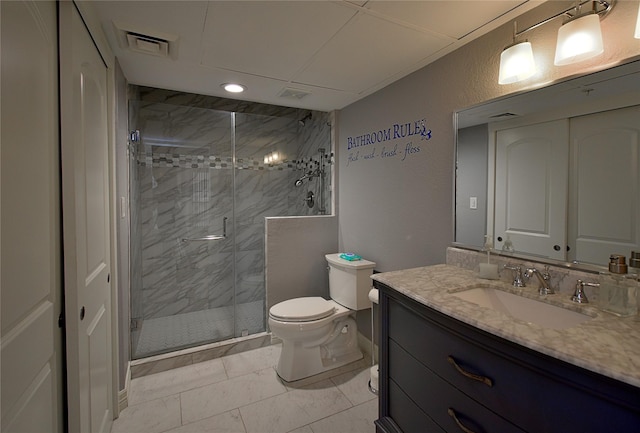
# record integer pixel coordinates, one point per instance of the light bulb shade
(637, 35)
(516, 63)
(578, 40)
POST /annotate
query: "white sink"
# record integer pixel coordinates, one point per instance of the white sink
(526, 309)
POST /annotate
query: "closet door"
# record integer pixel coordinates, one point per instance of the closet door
(30, 290)
(86, 223)
(531, 188)
(605, 186)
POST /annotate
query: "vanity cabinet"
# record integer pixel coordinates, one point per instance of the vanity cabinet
(438, 374)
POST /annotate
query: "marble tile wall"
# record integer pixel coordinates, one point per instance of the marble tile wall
(313, 136)
(182, 187)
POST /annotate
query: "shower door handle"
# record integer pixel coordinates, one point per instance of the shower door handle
(211, 237)
(204, 238)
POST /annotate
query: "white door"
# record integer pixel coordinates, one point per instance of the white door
(604, 210)
(531, 188)
(31, 349)
(85, 188)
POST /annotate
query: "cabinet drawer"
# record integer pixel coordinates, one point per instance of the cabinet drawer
(440, 400)
(407, 415)
(535, 398)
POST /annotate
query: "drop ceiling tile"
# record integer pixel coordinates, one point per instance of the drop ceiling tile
(206, 81)
(452, 18)
(368, 51)
(269, 39)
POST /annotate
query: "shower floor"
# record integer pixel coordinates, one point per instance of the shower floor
(164, 334)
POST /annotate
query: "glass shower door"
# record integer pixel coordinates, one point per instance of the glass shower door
(202, 183)
(185, 294)
(264, 149)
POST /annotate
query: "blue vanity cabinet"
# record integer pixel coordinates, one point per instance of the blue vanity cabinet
(438, 374)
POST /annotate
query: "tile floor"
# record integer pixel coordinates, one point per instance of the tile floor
(242, 393)
(160, 334)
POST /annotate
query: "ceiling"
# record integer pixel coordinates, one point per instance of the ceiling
(583, 91)
(318, 55)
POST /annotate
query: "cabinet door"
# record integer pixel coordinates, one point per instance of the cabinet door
(531, 188)
(604, 208)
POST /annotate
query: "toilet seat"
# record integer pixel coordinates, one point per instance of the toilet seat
(304, 309)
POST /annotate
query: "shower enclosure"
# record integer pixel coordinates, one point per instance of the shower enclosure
(202, 182)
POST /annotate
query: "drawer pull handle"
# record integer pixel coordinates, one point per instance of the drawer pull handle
(479, 378)
(453, 415)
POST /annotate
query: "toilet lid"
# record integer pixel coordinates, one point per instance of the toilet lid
(302, 309)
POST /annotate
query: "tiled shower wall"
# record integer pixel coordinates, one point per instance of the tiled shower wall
(182, 187)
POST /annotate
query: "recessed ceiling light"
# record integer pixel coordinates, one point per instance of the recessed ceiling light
(234, 88)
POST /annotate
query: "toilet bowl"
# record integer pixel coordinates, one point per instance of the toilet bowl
(319, 334)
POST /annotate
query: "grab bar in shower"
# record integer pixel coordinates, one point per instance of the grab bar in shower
(211, 237)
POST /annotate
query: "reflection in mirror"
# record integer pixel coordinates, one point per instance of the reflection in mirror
(553, 173)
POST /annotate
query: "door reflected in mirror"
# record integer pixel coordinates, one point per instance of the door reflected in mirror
(553, 173)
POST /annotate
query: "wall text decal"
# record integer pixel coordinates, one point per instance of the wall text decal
(359, 150)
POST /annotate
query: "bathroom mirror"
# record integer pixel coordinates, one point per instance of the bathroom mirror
(487, 200)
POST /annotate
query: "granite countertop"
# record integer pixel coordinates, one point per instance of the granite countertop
(606, 344)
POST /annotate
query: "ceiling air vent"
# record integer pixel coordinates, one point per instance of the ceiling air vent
(291, 93)
(503, 116)
(147, 44)
(145, 41)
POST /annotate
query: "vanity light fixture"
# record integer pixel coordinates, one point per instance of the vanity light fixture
(579, 38)
(516, 61)
(272, 158)
(233, 87)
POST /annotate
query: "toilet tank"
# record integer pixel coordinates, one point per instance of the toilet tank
(350, 281)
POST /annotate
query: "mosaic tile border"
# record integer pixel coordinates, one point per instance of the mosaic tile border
(216, 162)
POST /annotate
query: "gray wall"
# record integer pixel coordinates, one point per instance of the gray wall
(399, 213)
(471, 181)
(295, 250)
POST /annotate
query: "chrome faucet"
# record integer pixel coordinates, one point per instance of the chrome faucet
(543, 278)
(579, 296)
(517, 275)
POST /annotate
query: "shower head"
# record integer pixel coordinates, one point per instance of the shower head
(304, 119)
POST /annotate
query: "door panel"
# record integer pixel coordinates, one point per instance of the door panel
(605, 212)
(31, 342)
(531, 188)
(85, 183)
(98, 367)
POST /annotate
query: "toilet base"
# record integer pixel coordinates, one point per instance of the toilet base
(308, 362)
(299, 360)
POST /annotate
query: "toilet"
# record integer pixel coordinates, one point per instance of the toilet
(318, 334)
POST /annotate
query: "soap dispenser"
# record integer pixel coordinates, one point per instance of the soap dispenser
(488, 271)
(618, 290)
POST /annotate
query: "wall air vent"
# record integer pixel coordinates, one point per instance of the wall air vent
(146, 41)
(291, 93)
